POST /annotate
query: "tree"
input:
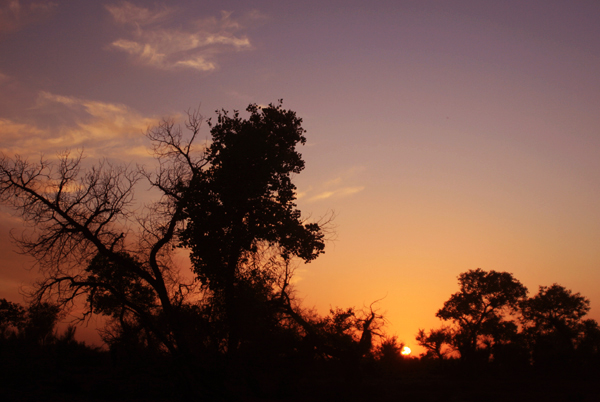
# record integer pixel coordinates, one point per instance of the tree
(554, 309)
(389, 355)
(78, 217)
(434, 341)
(588, 344)
(241, 209)
(12, 316)
(231, 204)
(479, 311)
(552, 321)
(33, 326)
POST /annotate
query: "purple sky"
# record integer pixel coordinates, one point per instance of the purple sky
(445, 135)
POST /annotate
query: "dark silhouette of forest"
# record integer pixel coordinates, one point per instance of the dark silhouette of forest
(236, 331)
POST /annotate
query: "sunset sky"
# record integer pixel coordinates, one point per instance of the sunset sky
(444, 135)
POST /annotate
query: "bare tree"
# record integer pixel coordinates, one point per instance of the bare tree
(231, 203)
(87, 234)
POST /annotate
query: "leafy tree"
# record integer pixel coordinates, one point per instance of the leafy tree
(40, 322)
(389, 355)
(435, 340)
(552, 321)
(588, 344)
(241, 210)
(34, 325)
(230, 203)
(554, 309)
(12, 316)
(480, 309)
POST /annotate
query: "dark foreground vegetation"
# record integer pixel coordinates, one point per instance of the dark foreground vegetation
(39, 363)
(236, 331)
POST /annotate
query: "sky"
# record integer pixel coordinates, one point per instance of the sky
(444, 136)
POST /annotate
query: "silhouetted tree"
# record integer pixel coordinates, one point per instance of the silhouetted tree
(241, 213)
(230, 203)
(554, 309)
(389, 355)
(479, 311)
(494, 321)
(552, 321)
(437, 342)
(12, 317)
(35, 324)
(588, 344)
(40, 322)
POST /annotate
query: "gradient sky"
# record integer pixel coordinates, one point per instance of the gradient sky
(444, 135)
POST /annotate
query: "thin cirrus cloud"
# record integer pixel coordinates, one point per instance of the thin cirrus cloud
(337, 193)
(151, 42)
(101, 129)
(15, 14)
(337, 188)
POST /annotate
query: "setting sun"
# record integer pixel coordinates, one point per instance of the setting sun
(405, 351)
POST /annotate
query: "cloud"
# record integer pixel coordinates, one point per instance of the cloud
(335, 188)
(128, 13)
(151, 42)
(102, 129)
(14, 14)
(333, 182)
(301, 194)
(341, 192)
(12, 132)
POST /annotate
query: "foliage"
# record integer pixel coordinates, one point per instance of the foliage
(242, 226)
(12, 317)
(34, 325)
(389, 356)
(436, 342)
(347, 334)
(493, 321)
(554, 309)
(552, 321)
(231, 204)
(480, 309)
(246, 197)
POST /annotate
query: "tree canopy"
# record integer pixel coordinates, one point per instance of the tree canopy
(478, 309)
(230, 203)
(493, 320)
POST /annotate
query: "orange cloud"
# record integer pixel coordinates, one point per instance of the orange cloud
(102, 129)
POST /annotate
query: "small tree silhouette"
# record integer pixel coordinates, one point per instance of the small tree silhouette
(437, 342)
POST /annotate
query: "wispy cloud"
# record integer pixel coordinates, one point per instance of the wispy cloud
(340, 192)
(102, 129)
(15, 14)
(128, 13)
(333, 182)
(152, 42)
(339, 187)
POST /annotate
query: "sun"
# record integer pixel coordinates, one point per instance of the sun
(405, 351)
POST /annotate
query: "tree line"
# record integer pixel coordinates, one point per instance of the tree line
(236, 328)
(230, 204)
(491, 319)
